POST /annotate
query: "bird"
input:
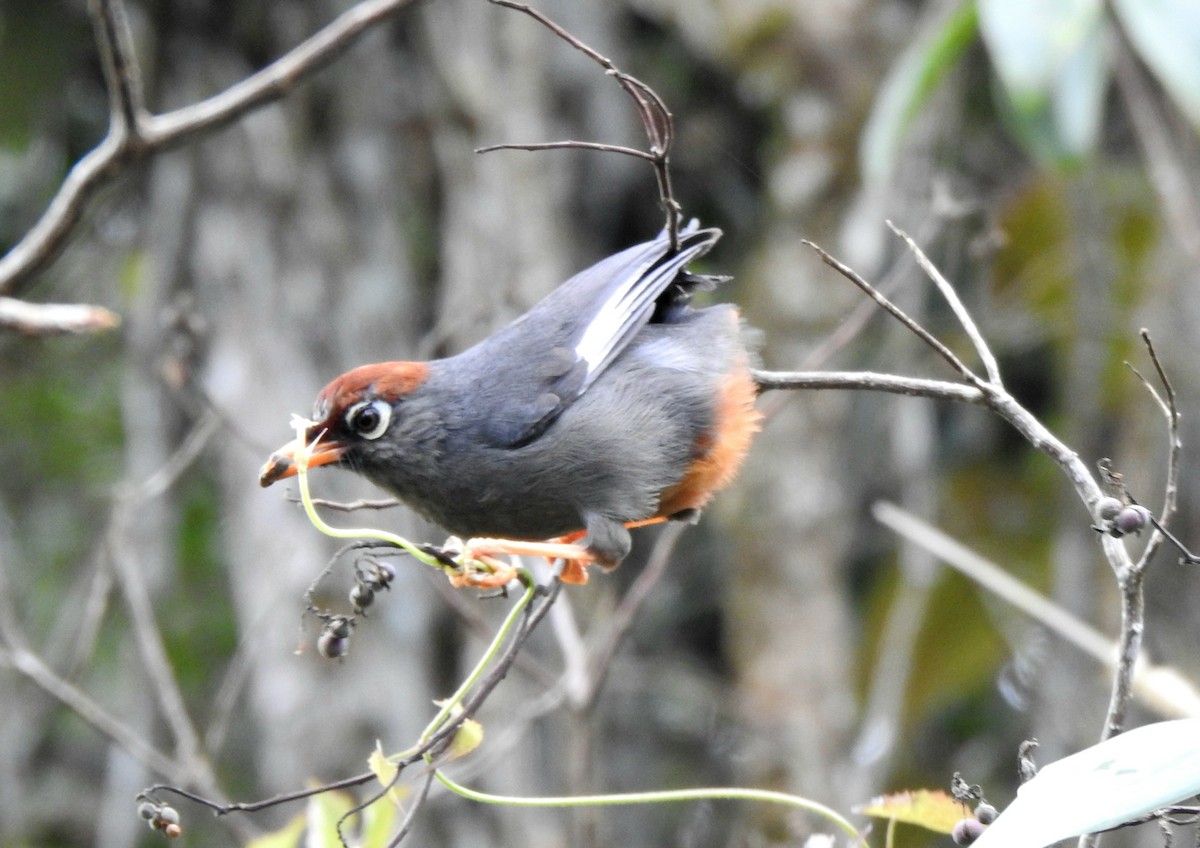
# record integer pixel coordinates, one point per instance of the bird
(613, 402)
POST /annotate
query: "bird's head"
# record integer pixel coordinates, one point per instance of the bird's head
(352, 413)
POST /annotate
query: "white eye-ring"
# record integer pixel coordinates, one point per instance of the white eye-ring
(369, 418)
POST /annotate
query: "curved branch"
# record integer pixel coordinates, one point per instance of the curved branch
(133, 134)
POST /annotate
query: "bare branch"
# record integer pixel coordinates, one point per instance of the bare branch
(1170, 411)
(621, 620)
(960, 311)
(652, 110)
(867, 381)
(897, 313)
(572, 145)
(102, 721)
(350, 506)
(122, 76)
(47, 319)
(276, 80)
(15, 653)
(133, 134)
(147, 634)
(1161, 688)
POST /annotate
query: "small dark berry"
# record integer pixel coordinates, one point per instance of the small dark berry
(148, 810)
(966, 831)
(1131, 519)
(332, 647)
(362, 596)
(1107, 508)
(985, 813)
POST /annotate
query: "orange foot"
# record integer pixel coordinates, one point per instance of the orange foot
(575, 560)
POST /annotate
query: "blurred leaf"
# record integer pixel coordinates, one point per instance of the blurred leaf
(286, 837)
(1031, 41)
(467, 738)
(932, 809)
(1078, 93)
(385, 772)
(378, 821)
(322, 815)
(908, 86)
(1103, 786)
(1166, 34)
(1053, 60)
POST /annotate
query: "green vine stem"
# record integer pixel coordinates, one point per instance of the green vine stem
(301, 456)
(666, 796)
(486, 660)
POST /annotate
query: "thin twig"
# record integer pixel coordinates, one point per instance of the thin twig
(956, 305)
(1170, 410)
(411, 816)
(1131, 578)
(1158, 687)
(434, 743)
(147, 634)
(133, 134)
(870, 381)
(652, 111)
(78, 702)
(47, 319)
(622, 618)
(350, 506)
(571, 145)
(122, 77)
(897, 313)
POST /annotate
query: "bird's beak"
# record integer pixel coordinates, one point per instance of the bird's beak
(282, 463)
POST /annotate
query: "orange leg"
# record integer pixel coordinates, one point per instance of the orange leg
(575, 557)
(486, 550)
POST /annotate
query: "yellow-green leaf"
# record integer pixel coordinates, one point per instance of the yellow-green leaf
(287, 836)
(932, 809)
(385, 772)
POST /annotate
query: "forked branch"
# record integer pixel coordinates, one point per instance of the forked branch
(651, 109)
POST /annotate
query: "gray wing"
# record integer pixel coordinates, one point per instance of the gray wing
(572, 335)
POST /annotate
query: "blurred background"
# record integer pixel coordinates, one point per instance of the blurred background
(1050, 170)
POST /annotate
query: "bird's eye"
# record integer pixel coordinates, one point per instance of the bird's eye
(370, 418)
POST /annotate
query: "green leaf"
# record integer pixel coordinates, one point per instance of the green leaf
(1031, 41)
(909, 84)
(932, 809)
(1166, 34)
(1078, 95)
(379, 820)
(1053, 61)
(287, 836)
(323, 812)
(1119, 780)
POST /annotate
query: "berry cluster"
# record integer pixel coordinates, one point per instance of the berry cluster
(968, 829)
(160, 817)
(370, 577)
(1118, 518)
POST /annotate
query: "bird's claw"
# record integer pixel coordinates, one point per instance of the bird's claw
(480, 570)
(490, 572)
